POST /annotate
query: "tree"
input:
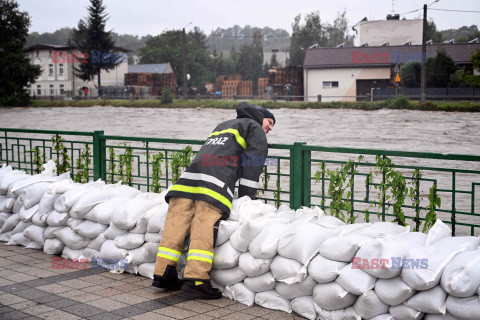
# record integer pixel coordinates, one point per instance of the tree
(410, 74)
(439, 70)
(432, 33)
(250, 59)
(16, 72)
(273, 61)
(90, 37)
(475, 60)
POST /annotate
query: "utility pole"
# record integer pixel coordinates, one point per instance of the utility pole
(185, 94)
(424, 56)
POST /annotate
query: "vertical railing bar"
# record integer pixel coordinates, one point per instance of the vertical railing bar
(417, 200)
(166, 168)
(31, 152)
(383, 190)
(18, 154)
(323, 185)
(453, 203)
(148, 165)
(6, 147)
(352, 190)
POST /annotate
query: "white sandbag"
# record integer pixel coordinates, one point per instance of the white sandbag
(4, 170)
(71, 239)
(306, 214)
(157, 222)
(53, 246)
(225, 230)
(32, 194)
(159, 198)
(65, 202)
(385, 316)
(97, 243)
(20, 227)
(461, 277)
(27, 214)
(112, 232)
(45, 205)
(18, 239)
(252, 266)
(102, 213)
(331, 296)
(349, 229)
(11, 178)
(382, 229)
(146, 269)
(436, 256)
(384, 257)
(446, 316)
(429, 301)
(302, 241)
(272, 300)
(142, 223)
(110, 251)
(355, 281)
(17, 205)
(225, 257)
(72, 254)
(329, 221)
(227, 277)
(240, 293)
(90, 229)
(254, 209)
(154, 237)
(247, 231)
(3, 217)
(439, 231)
(49, 232)
(236, 202)
(368, 305)
(285, 214)
(129, 241)
(464, 308)
(393, 291)
(296, 290)
(146, 253)
(34, 245)
(402, 312)
(89, 254)
(342, 248)
(39, 220)
(264, 282)
(73, 222)
(6, 204)
(284, 268)
(265, 244)
(5, 237)
(57, 219)
(304, 306)
(10, 223)
(342, 314)
(35, 233)
(126, 216)
(90, 199)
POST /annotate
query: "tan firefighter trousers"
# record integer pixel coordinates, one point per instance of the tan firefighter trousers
(197, 218)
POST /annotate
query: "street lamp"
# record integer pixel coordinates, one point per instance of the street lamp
(184, 56)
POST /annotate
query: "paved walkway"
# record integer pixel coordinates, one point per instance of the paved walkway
(31, 289)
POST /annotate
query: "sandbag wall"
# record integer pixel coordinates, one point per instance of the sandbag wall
(301, 261)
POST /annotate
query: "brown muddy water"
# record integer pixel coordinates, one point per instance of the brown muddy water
(402, 130)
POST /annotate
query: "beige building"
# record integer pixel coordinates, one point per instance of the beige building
(393, 32)
(57, 77)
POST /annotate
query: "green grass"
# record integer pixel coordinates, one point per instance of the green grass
(401, 103)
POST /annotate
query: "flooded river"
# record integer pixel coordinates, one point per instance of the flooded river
(403, 130)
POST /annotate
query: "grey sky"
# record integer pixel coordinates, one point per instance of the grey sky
(143, 17)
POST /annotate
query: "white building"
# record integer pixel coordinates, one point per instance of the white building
(393, 32)
(57, 77)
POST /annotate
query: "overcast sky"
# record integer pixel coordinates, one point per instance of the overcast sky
(142, 17)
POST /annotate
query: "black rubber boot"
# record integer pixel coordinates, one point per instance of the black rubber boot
(201, 289)
(169, 281)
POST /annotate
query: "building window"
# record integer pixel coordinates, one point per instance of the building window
(330, 84)
(39, 89)
(52, 92)
(60, 69)
(61, 89)
(50, 69)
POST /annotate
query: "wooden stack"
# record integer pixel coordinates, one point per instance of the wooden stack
(292, 75)
(230, 88)
(155, 81)
(234, 77)
(219, 83)
(262, 83)
(245, 88)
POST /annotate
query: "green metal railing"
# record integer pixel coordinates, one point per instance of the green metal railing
(300, 178)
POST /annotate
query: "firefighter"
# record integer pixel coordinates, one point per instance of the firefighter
(202, 196)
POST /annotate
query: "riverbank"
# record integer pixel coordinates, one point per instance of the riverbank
(400, 103)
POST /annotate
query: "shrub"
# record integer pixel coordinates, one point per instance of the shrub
(166, 97)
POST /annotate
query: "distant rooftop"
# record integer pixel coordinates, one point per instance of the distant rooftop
(149, 68)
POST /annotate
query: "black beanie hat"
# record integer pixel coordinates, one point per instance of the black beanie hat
(268, 114)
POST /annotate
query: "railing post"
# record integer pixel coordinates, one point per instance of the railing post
(296, 173)
(99, 156)
(307, 178)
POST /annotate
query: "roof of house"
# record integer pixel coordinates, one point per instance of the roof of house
(383, 55)
(44, 46)
(147, 68)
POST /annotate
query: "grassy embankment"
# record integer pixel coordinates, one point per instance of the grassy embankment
(398, 103)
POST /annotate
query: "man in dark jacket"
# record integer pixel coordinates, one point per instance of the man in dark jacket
(235, 151)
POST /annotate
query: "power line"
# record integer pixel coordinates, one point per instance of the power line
(453, 10)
